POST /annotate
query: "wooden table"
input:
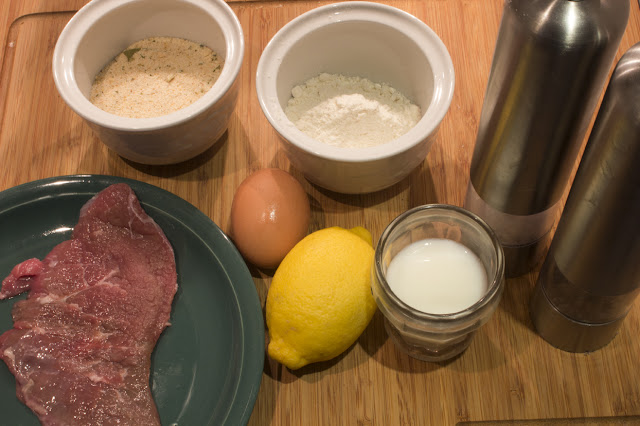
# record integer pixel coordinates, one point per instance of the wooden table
(508, 372)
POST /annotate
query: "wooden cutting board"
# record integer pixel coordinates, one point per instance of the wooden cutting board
(508, 373)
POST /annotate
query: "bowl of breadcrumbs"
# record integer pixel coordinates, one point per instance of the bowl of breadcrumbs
(155, 79)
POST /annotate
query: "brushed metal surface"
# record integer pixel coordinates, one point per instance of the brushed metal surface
(550, 64)
(592, 274)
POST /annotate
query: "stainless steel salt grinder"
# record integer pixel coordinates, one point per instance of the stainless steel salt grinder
(591, 275)
(550, 64)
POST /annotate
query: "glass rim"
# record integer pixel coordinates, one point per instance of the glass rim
(494, 285)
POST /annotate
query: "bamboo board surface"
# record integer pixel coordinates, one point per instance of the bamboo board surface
(508, 372)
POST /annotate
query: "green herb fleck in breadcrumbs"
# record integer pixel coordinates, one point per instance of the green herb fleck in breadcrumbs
(130, 52)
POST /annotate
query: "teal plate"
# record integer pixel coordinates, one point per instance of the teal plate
(207, 366)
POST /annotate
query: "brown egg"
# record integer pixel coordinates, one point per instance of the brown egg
(270, 213)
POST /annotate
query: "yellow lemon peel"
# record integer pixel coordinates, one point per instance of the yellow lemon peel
(320, 301)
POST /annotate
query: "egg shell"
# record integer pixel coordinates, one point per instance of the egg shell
(270, 213)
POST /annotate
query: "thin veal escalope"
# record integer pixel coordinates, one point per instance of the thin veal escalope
(81, 343)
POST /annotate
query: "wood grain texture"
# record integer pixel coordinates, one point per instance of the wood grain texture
(508, 372)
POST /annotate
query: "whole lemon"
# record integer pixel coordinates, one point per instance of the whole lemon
(320, 301)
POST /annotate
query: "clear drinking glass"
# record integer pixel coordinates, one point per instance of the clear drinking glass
(427, 336)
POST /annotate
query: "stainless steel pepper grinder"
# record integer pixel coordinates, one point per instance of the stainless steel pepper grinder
(591, 275)
(550, 64)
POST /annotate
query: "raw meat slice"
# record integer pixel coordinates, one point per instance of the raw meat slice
(20, 278)
(81, 344)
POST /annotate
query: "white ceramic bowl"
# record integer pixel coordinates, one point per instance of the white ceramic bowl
(375, 41)
(104, 28)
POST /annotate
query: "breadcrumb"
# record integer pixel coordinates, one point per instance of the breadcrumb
(156, 76)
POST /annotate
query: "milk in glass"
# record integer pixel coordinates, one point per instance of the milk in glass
(437, 276)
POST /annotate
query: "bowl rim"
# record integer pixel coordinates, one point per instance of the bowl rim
(355, 11)
(66, 47)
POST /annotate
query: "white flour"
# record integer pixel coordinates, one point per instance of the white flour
(350, 111)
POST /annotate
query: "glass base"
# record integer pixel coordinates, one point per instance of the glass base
(425, 350)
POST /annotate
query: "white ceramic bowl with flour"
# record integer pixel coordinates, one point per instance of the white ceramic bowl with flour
(358, 39)
(104, 28)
